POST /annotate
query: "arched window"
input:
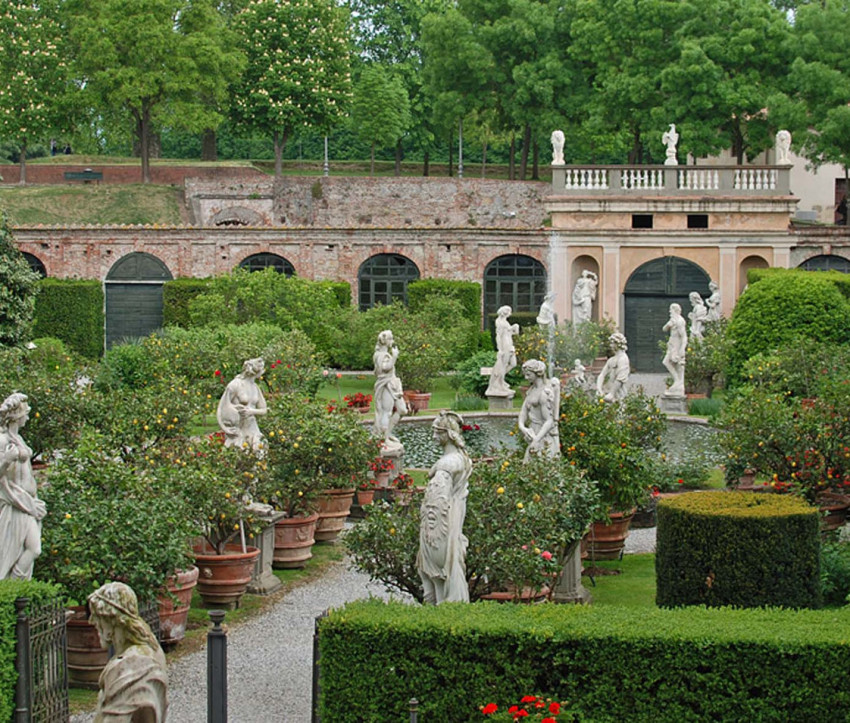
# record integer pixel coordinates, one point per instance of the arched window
(826, 262)
(35, 264)
(258, 262)
(384, 279)
(517, 281)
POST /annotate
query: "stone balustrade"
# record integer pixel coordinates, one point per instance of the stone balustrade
(672, 180)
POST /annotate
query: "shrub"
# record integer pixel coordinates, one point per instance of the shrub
(18, 288)
(71, 310)
(586, 341)
(177, 296)
(835, 569)
(706, 359)
(468, 293)
(470, 379)
(737, 548)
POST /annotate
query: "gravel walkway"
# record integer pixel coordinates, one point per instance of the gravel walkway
(270, 657)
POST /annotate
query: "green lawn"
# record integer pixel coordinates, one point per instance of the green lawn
(632, 586)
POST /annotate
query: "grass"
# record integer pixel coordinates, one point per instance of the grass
(629, 582)
(96, 204)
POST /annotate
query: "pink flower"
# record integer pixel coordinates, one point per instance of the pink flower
(546, 555)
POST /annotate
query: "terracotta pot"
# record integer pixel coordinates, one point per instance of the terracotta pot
(606, 541)
(294, 538)
(224, 578)
(382, 479)
(173, 615)
(418, 401)
(334, 508)
(835, 507)
(365, 497)
(363, 410)
(527, 596)
(86, 659)
(403, 497)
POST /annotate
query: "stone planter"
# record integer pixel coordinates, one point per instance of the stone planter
(334, 508)
(294, 538)
(86, 659)
(224, 578)
(365, 497)
(173, 614)
(835, 508)
(527, 596)
(417, 401)
(606, 541)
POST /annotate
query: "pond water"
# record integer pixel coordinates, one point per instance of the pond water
(683, 439)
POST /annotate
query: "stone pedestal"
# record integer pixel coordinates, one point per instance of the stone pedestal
(264, 581)
(673, 404)
(569, 588)
(501, 402)
(394, 453)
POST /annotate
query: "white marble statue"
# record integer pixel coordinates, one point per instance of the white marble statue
(612, 380)
(557, 148)
(388, 396)
(505, 354)
(240, 405)
(783, 148)
(713, 302)
(21, 511)
(670, 138)
(546, 315)
(441, 559)
(677, 345)
(538, 418)
(698, 315)
(577, 375)
(584, 294)
(134, 683)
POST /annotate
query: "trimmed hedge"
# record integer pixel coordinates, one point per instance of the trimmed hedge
(71, 310)
(10, 590)
(841, 280)
(467, 292)
(610, 663)
(737, 548)
(176, 296)
(341, 289)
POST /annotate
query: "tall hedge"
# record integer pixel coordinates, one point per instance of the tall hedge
(176, 296)
(737, 548)
(10, 590)
(781, 307)
(467, 292)
(610, 663)
(71, 310)
(341, 289)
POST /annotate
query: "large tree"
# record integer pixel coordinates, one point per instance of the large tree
(154, 59)
(298, 54)
(33, 73)
(18, 288)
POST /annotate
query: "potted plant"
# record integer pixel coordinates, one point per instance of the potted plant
(381, 467)
(366, 492)
(420, 361)
(358, 401)
(402, 486)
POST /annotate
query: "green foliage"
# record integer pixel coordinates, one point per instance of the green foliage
(341, 289)
(708, 407)
(470, 379)
(835, 569)
(779, 309)
(610, 663)
(18, 287)
(468, 293)
(71, 310)
(380, 109)
(586, 342)
(10, 590)
(176, 296)
(706, 359)
(737, 548)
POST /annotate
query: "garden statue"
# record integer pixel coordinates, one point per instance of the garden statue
(240, 405)
(783, 148)
(134, 682)
(670, 138)
(713, 302)
(388, 396)
(584, 295)
(538, 418)
(21, 511)
(441, 560)
(505, 355)
(612, 380)
(546, 315)
(677, 344)
(577, 375)
(557, 148)
(698, 314)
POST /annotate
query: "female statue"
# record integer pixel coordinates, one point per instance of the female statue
(713, 302)
(677, 345)
(584, 295)
(21, 511)
(612, 380)
(388, 395)
(441, 559)
(698, 314)
(505, 354)
(134, 682)
(240, 405)
(538, 418)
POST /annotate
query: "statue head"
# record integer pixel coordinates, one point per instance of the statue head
(535, 367)
(14, 407)
(713, 286)
(114, 607)
(451, 423)
(695, 298)
(557, 137)
(385, 338)
(617, 341)
(675, 310)
(253, 367)
(505, 311)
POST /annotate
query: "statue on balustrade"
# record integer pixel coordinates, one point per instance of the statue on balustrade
(670, 138)
(557, 148)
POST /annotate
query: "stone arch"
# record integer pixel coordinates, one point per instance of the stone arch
(826, 262)
(586, 263)
(237, 216)
(133, 291)
(383, 278)
(515, 280)
(258, 262)
(648, 293)
(36, 264)
(750, 262)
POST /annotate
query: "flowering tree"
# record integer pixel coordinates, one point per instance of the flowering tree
(32, 72)
(298, 67)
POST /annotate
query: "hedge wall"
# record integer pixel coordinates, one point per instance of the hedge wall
(841, 280)
(737, 548)
(611, 663)
(10, 590)
(71, 310)
(467, 292)
(176, 296)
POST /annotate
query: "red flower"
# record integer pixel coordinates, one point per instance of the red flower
(528, 699)
(554, 708)
(513, 709)
(521, 714)
(489, 708)
(680, 481)
(548, 720)
(217, 373)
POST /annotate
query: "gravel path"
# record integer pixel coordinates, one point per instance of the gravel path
(270, 657)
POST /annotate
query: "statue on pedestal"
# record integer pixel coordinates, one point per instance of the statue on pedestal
(505, 354)
(538, 418)
(390, 406)
(557, 148)
(677, 345)
(584, 295)
(612, 380)
(698, 314)
(713, 302)
(670, 138)
(240, 405)
(783, 148)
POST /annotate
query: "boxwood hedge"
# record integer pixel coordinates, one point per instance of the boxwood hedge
(737, 548)
(610, 663)
(71, 310)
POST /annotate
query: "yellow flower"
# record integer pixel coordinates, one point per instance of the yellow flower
(519, 505)
(500, 491)
(67, 515)
(392, 530)
(227, 495)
